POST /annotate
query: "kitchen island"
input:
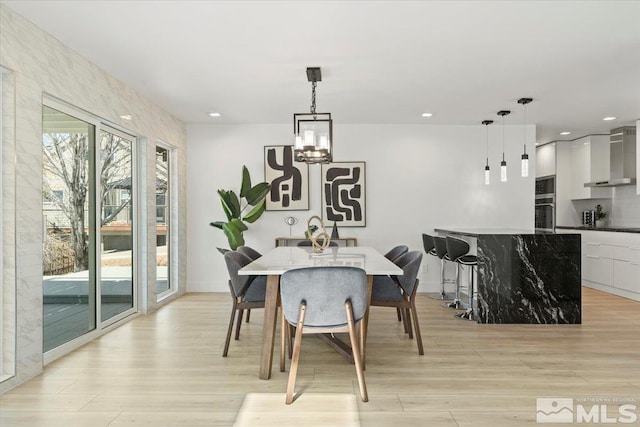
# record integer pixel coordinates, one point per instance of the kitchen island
(524, 276)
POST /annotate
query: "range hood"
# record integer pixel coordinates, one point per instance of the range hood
(622, 158)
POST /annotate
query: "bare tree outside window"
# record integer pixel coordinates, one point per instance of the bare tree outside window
(65, 163)
(66, 168)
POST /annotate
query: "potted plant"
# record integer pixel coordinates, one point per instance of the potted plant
(600, 216)
(234, 208)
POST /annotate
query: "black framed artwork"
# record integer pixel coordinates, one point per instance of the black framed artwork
(343, 194)
(289, 179)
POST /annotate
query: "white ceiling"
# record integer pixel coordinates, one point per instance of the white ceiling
(382, 61)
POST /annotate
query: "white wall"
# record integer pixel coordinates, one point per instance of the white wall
(42, 65)
(418, 177)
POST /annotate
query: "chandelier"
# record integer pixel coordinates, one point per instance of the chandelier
(313, 131)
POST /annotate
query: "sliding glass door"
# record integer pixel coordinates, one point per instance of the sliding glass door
(89, 225)
(165, 194)
(116, 223)
(68, 270)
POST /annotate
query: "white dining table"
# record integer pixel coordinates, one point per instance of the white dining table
(281, 259)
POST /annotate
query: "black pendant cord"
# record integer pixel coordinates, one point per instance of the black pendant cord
(503, 113)
(503, 137)
(524, 102)
(525, 128)
(487, 123)
(487, 132)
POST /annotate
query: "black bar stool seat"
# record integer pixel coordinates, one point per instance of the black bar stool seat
(458, 251)
(429, 243)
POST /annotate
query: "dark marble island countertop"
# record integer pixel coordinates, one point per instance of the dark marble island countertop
(475, 232)
(525, 276)
(613, 229)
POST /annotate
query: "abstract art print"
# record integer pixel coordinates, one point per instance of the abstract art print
(343, 194)
(289, 179)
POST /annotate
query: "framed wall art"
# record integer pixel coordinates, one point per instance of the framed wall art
(289, 179)
(343, 194)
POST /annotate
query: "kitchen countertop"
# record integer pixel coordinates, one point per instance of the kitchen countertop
(525, 277)
(475, 232)
(614, 229)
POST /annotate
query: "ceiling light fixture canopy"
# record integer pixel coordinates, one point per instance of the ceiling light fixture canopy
(524, 164)
(503, 163)
(487, 169)
(313, 131)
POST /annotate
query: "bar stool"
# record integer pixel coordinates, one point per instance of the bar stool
(430, 249)
(440, 245)
(458, 251)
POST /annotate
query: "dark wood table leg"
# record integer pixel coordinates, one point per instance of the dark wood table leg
(364, 325)
(269, 326)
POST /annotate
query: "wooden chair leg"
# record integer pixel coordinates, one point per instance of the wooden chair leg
(404, 320)
(248, 315)
(356, 352)
(229, 330)
(290, 332)
(399, 313)
(417, 326)
(293, 370)
(283, 336)
(240, 312)
(407, 317)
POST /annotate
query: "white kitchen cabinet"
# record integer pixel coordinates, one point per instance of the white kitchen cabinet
(626, 268)
(546, 160)
(598, 261)
(590, 163)
(610, 262)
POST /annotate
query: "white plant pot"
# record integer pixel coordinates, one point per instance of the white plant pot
(600, 223)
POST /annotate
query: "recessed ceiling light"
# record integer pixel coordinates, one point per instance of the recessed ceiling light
(427, 114)
(609, 118)
(565, 133)
(537, 143)
(214, 114)
(126, 116)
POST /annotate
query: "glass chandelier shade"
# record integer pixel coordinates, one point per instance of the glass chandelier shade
(524, 165)
(503, 170)
(313, 138)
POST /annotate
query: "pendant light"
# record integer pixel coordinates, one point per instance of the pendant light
(313, 131)
(524, 169)
(487, 169)
(503, 163)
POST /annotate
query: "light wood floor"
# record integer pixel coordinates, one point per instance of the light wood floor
(166, 369)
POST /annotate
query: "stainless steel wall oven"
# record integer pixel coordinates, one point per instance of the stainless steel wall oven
(545, 204)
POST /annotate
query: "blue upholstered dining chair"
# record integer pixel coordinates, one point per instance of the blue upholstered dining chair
(247, 292)
(396, 252)
(400, 292)
(323, 300)
(250, 252)
(392, 255)
(254, 255)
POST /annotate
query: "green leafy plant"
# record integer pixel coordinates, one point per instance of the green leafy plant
(234, 208)
(313, 229)
(600, 214)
